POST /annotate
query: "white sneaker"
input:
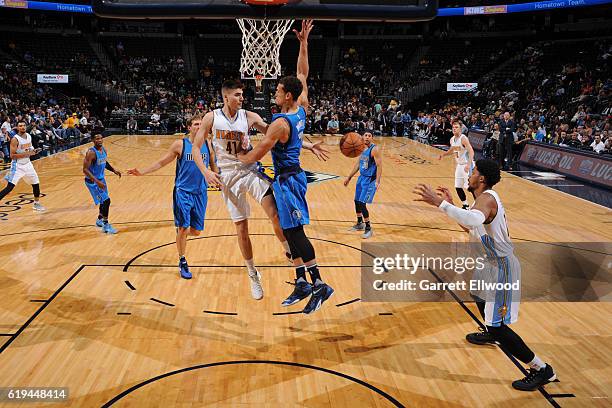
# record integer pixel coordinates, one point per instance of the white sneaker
(256, 289)
(38, 207)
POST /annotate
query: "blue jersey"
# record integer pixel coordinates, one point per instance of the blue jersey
(285, 155)
(97, 166)
(367, 164)
(188, 176)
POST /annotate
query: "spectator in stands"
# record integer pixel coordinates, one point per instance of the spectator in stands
(155, 121)
(5, 140)
(608, 146)
(132, 126)
(333, 126)
(598, 145)
(6, 125)
(406, 119)
(563, 139)
(574, 142)
(397, 124)
(70, 125)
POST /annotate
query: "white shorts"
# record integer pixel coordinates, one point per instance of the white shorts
(501, 305)
(237, 182)
(461, 177)
(19, 171)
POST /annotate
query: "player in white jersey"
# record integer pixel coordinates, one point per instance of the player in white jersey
(462, 151)
(486, 223)
(21, 166)
(229, 132)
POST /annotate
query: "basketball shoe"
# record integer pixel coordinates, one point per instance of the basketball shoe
(184, 269)
(320, 294)
(300, 292)
(256, 288)
(535, 379)
(360, 226)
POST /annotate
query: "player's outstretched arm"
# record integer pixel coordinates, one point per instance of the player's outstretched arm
(256, 121)
(377, 154)
(474, 217)
(276, 130)
(302, 62)
(175, 151)
(447, 153)
(317, 149)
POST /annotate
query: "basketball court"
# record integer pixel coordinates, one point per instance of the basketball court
(108, 317)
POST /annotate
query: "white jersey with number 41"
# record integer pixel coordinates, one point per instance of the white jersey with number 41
(228, 135)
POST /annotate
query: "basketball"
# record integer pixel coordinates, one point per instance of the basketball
(351, 144)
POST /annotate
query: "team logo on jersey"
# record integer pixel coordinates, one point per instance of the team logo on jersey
(297, 214)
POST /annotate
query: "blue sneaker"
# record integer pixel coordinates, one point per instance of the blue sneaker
(320, 294)
(108, 229)
(301, 291)
(99, 223)
(184, 269)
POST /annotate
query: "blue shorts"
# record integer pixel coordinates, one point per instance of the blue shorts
(189, 209)
(365, 190)
(290, 197)
(99, 195)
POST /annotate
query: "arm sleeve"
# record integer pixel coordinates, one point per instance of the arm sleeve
(468, 218)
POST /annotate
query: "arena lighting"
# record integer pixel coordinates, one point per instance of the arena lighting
(442, 12)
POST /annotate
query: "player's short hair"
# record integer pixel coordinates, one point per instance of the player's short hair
(458, 122)
(94, 135)
(291, 84)
(21, 121)
(489, 169)
(231, 84)
(197, 116)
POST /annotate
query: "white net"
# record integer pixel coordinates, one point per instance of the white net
(261, 42)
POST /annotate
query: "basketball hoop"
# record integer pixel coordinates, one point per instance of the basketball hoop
(261, 42)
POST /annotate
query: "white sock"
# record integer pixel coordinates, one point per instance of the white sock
(286, 246)
(250, 266)
(536, 363)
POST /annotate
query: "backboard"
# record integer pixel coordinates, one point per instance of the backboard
(339, 10)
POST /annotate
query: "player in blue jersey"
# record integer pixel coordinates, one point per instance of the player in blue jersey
(96, 161)
(284, 140)
(190, 188)
(370, 172)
